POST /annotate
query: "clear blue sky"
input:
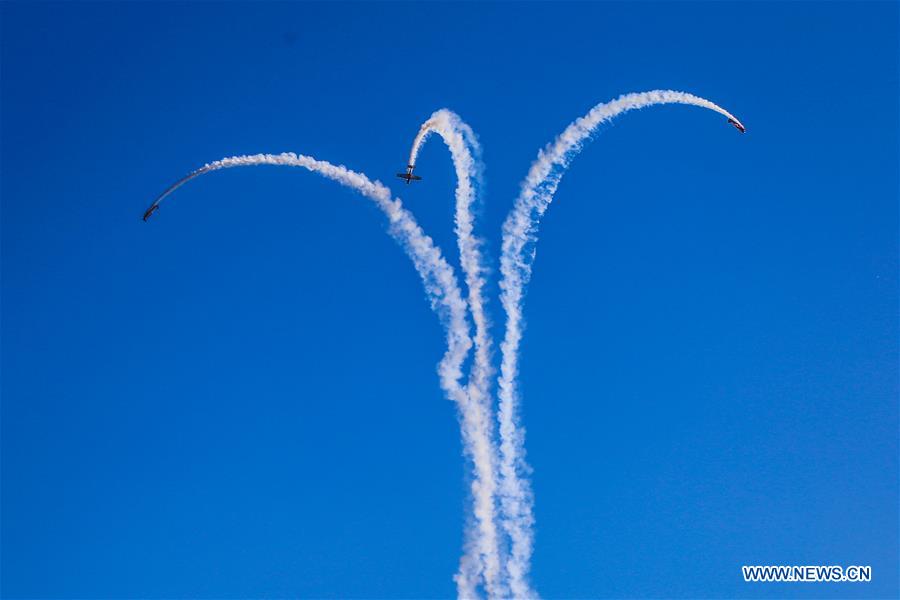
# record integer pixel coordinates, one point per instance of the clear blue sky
(240, 399)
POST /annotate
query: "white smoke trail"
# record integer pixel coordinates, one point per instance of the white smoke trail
(517, 256)
(437, 275)
(466, 154)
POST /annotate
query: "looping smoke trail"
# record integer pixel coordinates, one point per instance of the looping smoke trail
(466, 154)
(516, 259)
(437, 275)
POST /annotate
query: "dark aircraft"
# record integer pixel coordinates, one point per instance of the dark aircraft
(408, 176)
(153, 208)
(737, 125)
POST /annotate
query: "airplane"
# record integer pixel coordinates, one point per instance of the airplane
(150, 211)
(737, 125)
(408, 176)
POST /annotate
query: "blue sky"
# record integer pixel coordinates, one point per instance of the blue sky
(240, 398)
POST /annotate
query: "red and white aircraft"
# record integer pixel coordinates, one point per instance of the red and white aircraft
(408, 176)
(737, 125)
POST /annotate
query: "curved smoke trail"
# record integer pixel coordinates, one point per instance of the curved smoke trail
(437, 275)
(517, 256)
(466, 154)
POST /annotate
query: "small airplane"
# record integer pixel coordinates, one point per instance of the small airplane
(150, 211)
(408, 176)
(737, 125)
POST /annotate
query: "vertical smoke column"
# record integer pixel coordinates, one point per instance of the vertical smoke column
(466, 154)
(437, 275)
(517, 256)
